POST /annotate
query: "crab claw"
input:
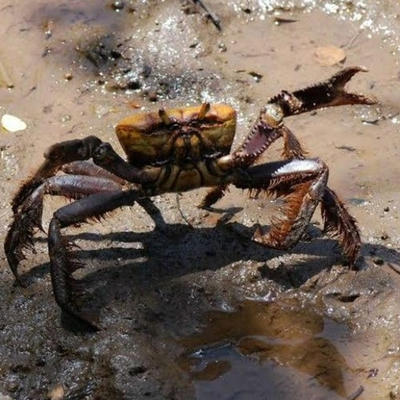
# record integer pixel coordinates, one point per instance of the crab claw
(340, 96)
(329, 93)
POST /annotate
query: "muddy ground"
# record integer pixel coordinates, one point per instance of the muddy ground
(197, 310)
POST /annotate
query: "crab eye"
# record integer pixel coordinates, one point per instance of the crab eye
(205, 108)
(164, 117)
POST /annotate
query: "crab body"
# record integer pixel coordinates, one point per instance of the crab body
(179, 148)
(175, 151)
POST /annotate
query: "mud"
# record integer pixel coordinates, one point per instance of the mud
(197, 310)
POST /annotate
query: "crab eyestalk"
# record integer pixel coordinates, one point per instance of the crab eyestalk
(205, 108)
(164, 117)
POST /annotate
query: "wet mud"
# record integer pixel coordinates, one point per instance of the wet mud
(196, 310)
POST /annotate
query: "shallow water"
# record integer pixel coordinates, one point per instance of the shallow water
(271, 351)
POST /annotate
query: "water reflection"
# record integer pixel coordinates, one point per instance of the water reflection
(268, 351)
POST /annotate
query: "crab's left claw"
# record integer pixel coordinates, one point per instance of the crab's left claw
(339, 95)
(329, 93)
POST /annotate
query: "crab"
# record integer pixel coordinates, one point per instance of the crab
(178, 150)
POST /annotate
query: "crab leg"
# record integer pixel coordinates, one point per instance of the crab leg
(60, 154)
(302, 182)
(68, 157)
(55, 157)
(90, 169)
(29, 216)
(67, 290)
(339, 222)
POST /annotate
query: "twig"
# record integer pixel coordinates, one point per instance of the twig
(356, 394)
(357, 33)
(216, 21)
(178, 204)
(394, 267)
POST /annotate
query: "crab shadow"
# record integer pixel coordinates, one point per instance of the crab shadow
(179, 249)
(131, 266)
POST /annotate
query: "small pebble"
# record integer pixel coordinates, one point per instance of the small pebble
(384, 236)
(12, 124)
(56, 393)
(222, 47)
(11, 386)
(378, 261)
(117, 5)
(153, 95)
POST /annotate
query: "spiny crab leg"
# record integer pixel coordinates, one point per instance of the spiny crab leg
(303, 185)
(301, 182)
(55, 157)
(82, 179)
(68, 291)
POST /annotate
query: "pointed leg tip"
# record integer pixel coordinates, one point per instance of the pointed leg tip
(89, 322)
(21, 282)
(76, 321)
(259, 236)
(13, 262)
(94, 326)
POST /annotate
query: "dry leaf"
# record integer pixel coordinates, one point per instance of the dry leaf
(329, 55)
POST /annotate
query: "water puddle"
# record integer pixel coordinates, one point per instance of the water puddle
(270, 351)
